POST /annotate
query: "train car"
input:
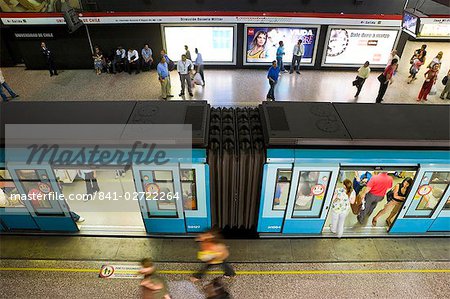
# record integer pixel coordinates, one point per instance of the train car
(269, 171)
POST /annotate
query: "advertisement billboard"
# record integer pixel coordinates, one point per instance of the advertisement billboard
(36, 5)
(409, 23)
(215, 43)
(354, 46)
(261, 43)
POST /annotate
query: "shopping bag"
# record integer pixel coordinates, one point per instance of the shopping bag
(433, 90)
(198, 79)
(356, 207)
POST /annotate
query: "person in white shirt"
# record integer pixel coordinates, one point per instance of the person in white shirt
(184, 67)
(119, 59)
(6, 86)
(133, 61)
(299, 50)
(363, 74)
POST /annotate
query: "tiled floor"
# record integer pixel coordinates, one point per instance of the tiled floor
(311, 280)
(223, 87)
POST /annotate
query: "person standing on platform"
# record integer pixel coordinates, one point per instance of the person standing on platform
(49, 59)
(164, 78)
(363, 74)
(6, 86)
(386, 79)
(212, 252)
(374, 193)
(188, 53)
(280, 54)
(133, 60)
(430, 80)
(446, 82)
(340, 206)
(199, 65)
(184, 67)
(147, 58)
(272, 75)
(299, 50)
(436, 60)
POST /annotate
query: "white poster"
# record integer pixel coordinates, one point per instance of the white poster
(348, 47)
(214, 43)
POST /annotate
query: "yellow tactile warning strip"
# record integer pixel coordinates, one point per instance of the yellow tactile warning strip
(245, 272)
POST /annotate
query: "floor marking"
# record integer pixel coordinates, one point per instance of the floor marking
(244, 272)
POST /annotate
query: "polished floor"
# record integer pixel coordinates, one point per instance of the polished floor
(79, 279)
(223, 87)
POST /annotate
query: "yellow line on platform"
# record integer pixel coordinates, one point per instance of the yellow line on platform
(243, 272)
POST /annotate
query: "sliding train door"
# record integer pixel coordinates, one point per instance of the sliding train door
(42, 197)
(425, 202)
(310, 194)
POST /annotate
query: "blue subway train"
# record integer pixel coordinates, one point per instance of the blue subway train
(275, 170)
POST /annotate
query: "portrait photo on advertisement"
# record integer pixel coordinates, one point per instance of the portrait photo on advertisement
(36, 5)
(409, 22)
(262, 42)
(354, 46)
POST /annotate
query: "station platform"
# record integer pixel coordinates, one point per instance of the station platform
(266, 268)
(241, 250)
(225, 88)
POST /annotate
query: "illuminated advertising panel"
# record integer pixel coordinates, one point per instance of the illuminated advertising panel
(215, 43)
(262, 41)
(354, 46)
(36, 5)
(409, 23)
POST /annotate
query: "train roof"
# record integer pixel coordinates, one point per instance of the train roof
(195, 113)
(355, 125)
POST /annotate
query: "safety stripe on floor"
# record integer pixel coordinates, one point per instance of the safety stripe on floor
(244, 272)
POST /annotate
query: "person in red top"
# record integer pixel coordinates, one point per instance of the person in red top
(374, 193)
(386, 79)
(430, 80)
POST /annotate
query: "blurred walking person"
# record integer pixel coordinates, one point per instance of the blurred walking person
(216, 290)
(153, 286)
(213, 252)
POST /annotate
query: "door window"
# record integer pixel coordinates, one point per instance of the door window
(431, 190)
(311, 189)
(9, 194)
(282, 186)
(189, 189)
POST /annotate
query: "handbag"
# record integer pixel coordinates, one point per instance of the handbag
(382, 78)
(390, 195)
(445, 80)
(354, 83)
(433, 90)
(356, 207)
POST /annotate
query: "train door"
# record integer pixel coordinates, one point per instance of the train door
(42, 197)
(310, 194)
(425, 201)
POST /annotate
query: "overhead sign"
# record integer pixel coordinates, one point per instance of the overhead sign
(111, 18)
(120, 271)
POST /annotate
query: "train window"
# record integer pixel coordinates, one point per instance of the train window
(37, 187)
(447, 204)
(189, 189)
(310, 187)
(166, 196)
(282, 187)
(9, 195)
(431, 190)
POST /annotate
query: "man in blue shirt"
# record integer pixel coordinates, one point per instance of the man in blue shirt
(280, 54)
(199, 65)
(272, 75)
(147, 58)
(164, 78)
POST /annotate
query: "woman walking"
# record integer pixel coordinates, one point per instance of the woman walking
(386, 79)
(430, 80)
(340, 206)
